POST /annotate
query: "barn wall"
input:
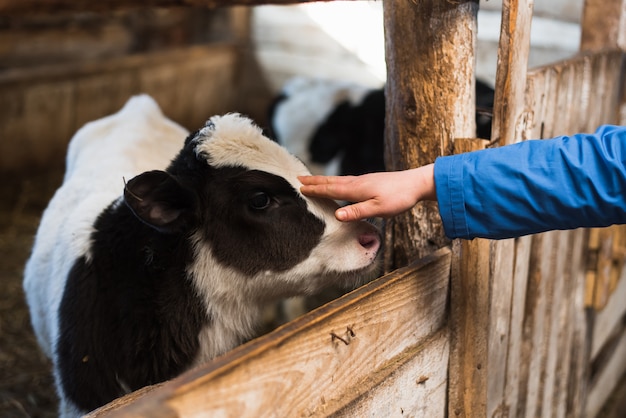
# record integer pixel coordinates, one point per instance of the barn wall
(59, 71)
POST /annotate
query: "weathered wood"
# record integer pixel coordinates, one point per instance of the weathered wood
(54, 6)
(554, 358)
(535, 323)
(326, 361)
(487, 284)
(469, 314)
(573, 343)
(603, 25)
(44, 106)
(430, 101)
(606, 320)
(507, 128)
(588, 81)
(38, 40)
(509, 391)
(513, 50)
(609, 376)
(417, 389)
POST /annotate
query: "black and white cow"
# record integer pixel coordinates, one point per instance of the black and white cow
(156, 255)
(338, 127)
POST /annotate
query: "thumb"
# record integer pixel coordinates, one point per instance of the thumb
(353, 212)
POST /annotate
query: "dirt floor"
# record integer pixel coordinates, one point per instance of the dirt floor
(26, 384)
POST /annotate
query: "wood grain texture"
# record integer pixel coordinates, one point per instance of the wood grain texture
(323, 362)
(608, 378)
(429, 49)
(16, 7)
(513, 50)
(44, 106)
(469, 318)
(603, 25)
(608, 319)
(417, 389)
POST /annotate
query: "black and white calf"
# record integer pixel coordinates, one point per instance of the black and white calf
(337, 127)
(130, 284)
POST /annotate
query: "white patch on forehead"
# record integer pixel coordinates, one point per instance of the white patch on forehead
(234, 140)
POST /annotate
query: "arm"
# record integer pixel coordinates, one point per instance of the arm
(515, 190)
(535, 186)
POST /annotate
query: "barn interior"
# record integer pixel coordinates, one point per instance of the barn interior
(59, 70)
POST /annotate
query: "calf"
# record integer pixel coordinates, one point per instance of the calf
(156, 255)
(337, 127)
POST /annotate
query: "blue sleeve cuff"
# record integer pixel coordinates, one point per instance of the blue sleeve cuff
(449, 187)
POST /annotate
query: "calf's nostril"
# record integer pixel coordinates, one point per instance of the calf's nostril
(369, 241)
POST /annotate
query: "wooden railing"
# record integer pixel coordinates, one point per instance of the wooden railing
(381, 350)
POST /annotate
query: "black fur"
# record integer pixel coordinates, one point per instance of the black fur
(356, 132)
(130, 315)
(253, 240)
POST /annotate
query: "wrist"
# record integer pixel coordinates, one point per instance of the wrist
(425, 183)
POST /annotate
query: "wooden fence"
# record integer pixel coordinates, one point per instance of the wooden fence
(534, 326)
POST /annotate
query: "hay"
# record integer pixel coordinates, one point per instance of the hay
(26, 383)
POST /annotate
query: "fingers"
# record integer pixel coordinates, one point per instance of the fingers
(318, 180)
(337, 188)
(355, 212)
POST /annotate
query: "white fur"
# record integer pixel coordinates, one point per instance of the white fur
(139, 138)
(309, 102)
(234, 140)
(100, 156)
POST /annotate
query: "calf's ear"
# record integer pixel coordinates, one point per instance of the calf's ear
(159, 200)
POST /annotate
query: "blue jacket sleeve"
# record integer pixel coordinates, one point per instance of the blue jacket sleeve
(534, 186)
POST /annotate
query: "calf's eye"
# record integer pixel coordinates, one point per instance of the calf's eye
(259, 201)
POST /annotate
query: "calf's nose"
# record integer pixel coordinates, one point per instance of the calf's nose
(370, 241)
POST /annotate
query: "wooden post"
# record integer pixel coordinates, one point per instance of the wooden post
(429, 47)
(603, 25)
(489, 275)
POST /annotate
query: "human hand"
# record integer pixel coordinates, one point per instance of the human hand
(382, 194)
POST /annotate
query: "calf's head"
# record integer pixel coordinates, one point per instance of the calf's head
(235, 195)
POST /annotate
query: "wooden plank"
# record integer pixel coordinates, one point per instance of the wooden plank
(410, 391)
(608, 377)
(596, 78)
(606, 320)
(429, 48)
(514, 360)
(569, 322)
(513, 50)
(536, 323)
(469, 325)
(43, 107)
(603, 269)
(550, 363)
(484, 366)
(576, 349)
(555, 350)
(603, 25)
(557, 300)
(21, 47)
(36, 124)
(323, 362)
(14, 7)
(479, 320)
